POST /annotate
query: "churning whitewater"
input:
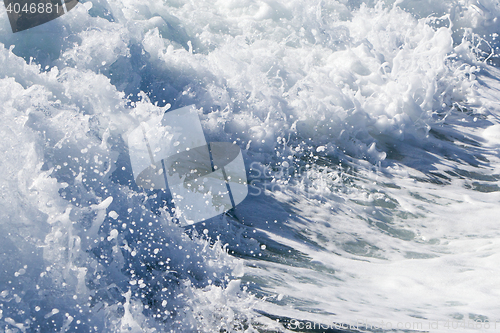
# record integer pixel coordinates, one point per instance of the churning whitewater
(370, 136)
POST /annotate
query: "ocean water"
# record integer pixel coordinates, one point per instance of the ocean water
(370, 132)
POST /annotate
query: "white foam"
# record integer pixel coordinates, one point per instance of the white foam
(304, 84)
